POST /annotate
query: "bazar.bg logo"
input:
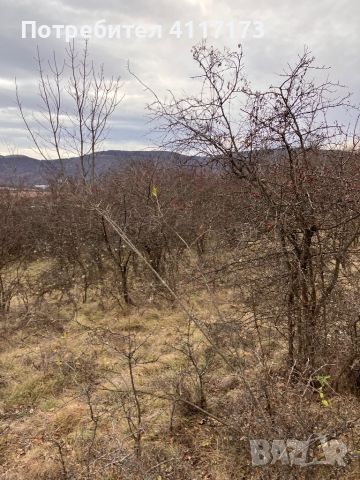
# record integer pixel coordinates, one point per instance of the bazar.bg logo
(315, 451)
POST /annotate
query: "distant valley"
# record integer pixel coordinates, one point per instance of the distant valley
(22, 170)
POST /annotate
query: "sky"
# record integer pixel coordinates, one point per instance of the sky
(272, 32)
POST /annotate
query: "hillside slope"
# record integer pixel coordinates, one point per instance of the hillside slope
(22, 170)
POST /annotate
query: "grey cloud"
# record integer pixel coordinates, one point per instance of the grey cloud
(330, 29)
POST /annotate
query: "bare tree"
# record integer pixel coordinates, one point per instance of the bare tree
(77, 101)
(284, 144)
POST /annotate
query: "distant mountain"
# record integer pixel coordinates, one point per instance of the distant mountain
(22, 170)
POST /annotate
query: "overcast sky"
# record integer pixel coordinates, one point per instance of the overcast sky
(278, 31)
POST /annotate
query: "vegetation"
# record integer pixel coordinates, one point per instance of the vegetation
(156, 320)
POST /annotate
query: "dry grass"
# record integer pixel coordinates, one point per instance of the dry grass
(45, 376)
